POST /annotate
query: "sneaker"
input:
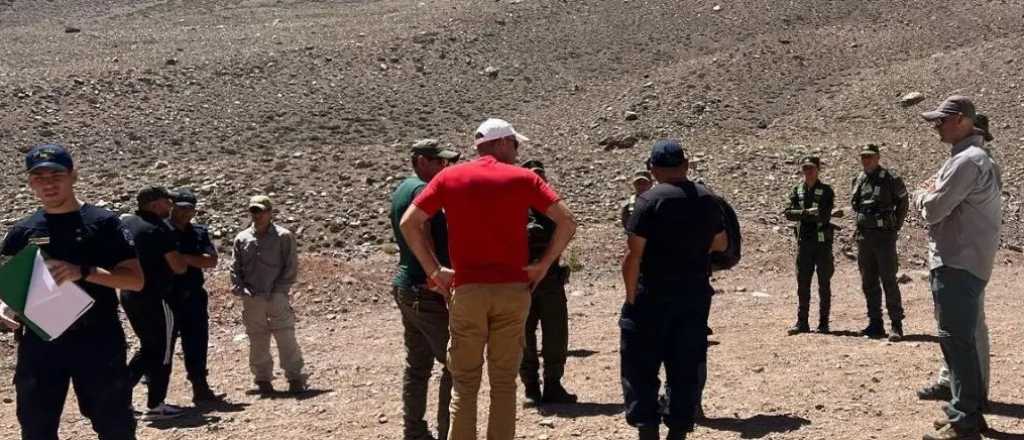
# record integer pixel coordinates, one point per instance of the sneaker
(949, 433)
(297, 386)
(264, 387)
(163, 412)
(935, 391)
(532, 392)
(797, 329)
(873, 331)
(555, 393)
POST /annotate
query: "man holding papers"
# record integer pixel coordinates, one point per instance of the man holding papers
(87, 246)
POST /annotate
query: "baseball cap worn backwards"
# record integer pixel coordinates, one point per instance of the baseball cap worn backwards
(667, 153)
(48, 156)
(953, 105)
(493, 129)
(260, 202)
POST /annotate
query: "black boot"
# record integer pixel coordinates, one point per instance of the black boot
(202, 393)
(896, 335)
(874, 330)
(648, 433)
(554, 393)
(533, 394)
(675, 434)
(799, 327)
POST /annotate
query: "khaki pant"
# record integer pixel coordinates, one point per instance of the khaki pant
(264, 316)
(491, 316)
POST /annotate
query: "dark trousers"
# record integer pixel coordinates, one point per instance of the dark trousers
(958, 295)
(93, 362)
(192, 325)
(549, 310)
(153, 323)
(425, 319)
(878, 261)
(672, 334)
(811, 257)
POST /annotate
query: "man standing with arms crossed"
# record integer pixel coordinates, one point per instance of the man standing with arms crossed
(88, 246)
(423, 309)
(190, 300)
(265, 268)
(486, 203)
(962, 207)
(667, 271)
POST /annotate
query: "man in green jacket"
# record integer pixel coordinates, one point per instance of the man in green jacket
(810, 206)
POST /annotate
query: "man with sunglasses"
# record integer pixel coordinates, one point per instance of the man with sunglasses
(486, 202)
(423, 307)
(265, 268)
(881, 202)
(88, 246)
(961, 204)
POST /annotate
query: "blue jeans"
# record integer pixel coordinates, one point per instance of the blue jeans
(958, 295)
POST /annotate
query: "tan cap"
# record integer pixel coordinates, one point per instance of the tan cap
(260, 202)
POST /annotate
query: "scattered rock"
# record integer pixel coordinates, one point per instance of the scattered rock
(760, 294)
(491, 71)
(171, 62)
(547, 423)
(911, 98)
(904, 278)
(71, 30)
(1014, 247)
(632, 116)
(619, 142)
(758, 369)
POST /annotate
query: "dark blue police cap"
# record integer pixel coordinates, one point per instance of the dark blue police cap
(184, 198)
(50, 156)
(667, 153)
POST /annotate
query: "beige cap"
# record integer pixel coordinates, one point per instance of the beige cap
(260, 202)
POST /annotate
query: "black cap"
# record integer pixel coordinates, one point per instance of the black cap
(954, 105)
(667, 153)
(870, 150)
(152, 194)
(184, 198)
(50, 156)
(533, 164)
(813, 161)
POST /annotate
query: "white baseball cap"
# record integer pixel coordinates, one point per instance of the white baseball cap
(492, 129)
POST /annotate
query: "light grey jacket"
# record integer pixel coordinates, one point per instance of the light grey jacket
(963, 210)
(267, 264)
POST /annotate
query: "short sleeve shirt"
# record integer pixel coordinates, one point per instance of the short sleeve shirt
(153, 240)
(91, 236)
(410, 273)
(487, 204)
(679, 221)
(193, 240)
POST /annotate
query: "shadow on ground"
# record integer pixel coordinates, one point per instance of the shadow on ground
(758, 426)
(581, 353)
(583, 409)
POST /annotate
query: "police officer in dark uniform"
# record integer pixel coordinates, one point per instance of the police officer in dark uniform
(148, 309)
(190, 299)
(810, 206)
(549, 309)
(667, 272)
(881, 202)
(86, 245)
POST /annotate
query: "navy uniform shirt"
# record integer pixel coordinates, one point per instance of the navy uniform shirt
(193, 240)
(679, 221)
(91, 236)
(153, 240)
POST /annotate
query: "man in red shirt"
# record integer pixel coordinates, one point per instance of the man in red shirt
(486, 202)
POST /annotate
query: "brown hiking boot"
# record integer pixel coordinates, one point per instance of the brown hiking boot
(948, 432)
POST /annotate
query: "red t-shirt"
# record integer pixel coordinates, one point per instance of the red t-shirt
(487, 203)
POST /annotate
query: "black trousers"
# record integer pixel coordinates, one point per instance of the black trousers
(811, 257)
(153, 323)
(192, 325)
(549, 310)
(92, 360)
(878, 264)
(673, 334)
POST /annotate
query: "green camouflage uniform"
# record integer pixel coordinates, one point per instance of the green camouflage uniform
(881, 203)
(814, 234)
